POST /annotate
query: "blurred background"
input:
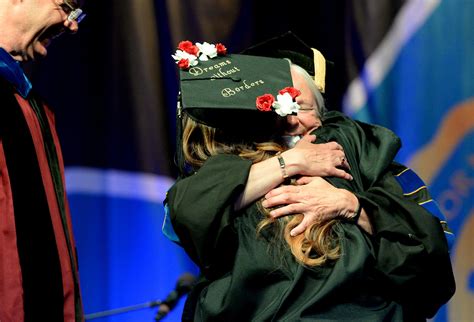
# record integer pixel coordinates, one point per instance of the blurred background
(405, 64)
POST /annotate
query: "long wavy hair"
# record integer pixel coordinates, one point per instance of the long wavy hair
(319, 243)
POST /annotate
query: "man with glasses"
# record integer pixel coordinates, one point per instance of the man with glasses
(38, 266)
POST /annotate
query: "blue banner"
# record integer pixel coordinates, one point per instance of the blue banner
(420, 83)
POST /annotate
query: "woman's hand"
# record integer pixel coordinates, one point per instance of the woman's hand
(306, 158)
(323, 159)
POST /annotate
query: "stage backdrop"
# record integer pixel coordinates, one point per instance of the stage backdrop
(405, 64)
(419, 81)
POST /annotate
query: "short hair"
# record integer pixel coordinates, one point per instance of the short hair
(321, 108)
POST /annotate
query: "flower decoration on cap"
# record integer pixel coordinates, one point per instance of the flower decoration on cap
(265, 102)
(189, 54)
(284, 104)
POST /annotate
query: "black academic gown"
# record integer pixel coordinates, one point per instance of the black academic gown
(401, 273)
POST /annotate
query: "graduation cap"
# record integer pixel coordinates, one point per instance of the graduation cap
(222, 91)
(288, 45)
(226, 92)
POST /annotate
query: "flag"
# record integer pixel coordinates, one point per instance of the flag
(419, 82)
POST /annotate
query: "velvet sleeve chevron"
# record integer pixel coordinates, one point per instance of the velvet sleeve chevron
(411, 251)
(416, 190)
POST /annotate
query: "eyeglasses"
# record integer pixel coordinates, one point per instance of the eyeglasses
(71, 8)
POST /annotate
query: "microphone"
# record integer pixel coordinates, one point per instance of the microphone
(183, 286)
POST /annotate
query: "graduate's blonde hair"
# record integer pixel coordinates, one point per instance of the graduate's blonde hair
(316, 246)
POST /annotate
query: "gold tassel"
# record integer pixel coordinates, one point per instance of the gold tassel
(319, 70)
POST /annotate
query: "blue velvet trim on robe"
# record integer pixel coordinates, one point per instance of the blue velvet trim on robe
(11, 70)
(412, 183)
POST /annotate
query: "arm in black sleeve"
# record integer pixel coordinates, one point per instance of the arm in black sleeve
(411, 250)
(412, 256)
(202, 209)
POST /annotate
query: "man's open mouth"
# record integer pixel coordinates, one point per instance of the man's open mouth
(51, 33)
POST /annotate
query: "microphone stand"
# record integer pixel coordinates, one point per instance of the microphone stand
(124, 309)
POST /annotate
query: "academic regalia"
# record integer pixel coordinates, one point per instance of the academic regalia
(400, 273)
(38, 260)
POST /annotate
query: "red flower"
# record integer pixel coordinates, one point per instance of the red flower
(264, 102)
(221, 49)
(290, 90)
(188, 47)
(183, 63)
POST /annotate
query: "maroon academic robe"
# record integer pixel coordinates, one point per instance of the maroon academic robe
(38, 267)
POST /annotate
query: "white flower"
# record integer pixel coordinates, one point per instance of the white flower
(207, 51)
(180, 54)
(284, 105)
